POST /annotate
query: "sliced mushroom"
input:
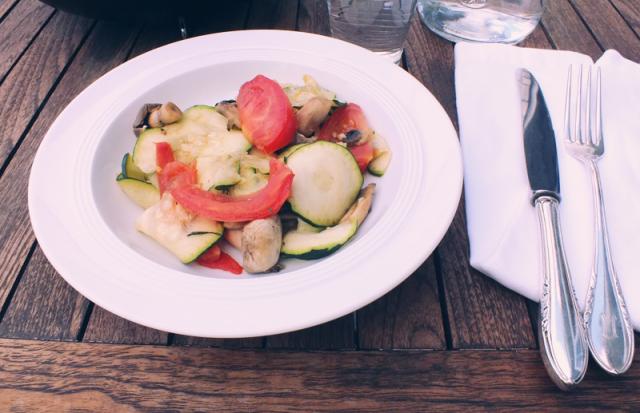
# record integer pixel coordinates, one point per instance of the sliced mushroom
(234, 225)
(141, 121)
(234, 238)
(312, 114)
(261, 242)
(360, 209)
(166, 114)
(229, 109)
(300, 138)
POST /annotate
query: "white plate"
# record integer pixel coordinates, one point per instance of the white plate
(85, 225)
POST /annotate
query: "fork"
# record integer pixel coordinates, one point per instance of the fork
(609, 331)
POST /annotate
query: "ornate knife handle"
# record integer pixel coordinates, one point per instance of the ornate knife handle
(561, 335)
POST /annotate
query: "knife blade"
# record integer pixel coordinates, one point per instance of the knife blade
(562, 338)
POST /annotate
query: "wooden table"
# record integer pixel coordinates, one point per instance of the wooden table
(448, 338)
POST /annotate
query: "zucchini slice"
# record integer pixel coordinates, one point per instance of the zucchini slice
(142, 193)
(284, 155)
(130, 170)
(310, 245)
(186, 236)
(201, 131)
(215, 172)
(251, 180)
(326, 182)
(381, 156)
(304, 226)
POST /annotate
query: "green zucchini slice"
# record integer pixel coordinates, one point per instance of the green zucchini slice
(313, 245)
(142, 193)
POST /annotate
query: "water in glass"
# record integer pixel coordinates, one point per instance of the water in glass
(378, 25)
(499, 21)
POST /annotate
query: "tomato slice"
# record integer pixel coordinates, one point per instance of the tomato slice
(363, 154)
(176, 174)
(164, 154)
(209, 256)
(220, 207)
(225, 262)
(344, 119)
(266, 114)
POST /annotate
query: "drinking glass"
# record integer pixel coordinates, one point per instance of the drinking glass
(497, 21)
(379, 25)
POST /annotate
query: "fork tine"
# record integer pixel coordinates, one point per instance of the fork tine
(598, 114)
(567, 108)
(588, 131)
(578, 104)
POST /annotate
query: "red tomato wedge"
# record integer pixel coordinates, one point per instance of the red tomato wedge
(266, 114)
(210, 255)
(164, 154)
(363, 154)
(225, 262)
(224, 208)
(176, 174)
(344, 119)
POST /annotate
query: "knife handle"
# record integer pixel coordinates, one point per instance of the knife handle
(561, 335)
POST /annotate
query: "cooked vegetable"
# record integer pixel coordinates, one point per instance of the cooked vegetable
(261, 204)
(310, 245)
(185, 235)
(312, 114)
(251, 181)
(166, 114)
(299, 95)
(260, 245)
(164, 154)
(266, 115)
(327, 181)
(229, 109)
(344, 119)
(234, 238)
(130, 170)
(142, 193)
(360, 209)
(381, 155)
(216, 172)
(202, 131)
(287, 152)
(215, 258)
(304, 226)
(363, 154)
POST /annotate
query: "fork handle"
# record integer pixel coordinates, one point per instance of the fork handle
(561, 332)
(609, 331)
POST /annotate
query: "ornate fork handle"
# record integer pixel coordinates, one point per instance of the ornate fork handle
(609, 331)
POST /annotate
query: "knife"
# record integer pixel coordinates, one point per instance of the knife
(561, 334)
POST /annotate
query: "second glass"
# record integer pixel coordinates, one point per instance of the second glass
(379, 25)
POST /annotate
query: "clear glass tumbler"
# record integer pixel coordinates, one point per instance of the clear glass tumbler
(379, 25)
(496, 21)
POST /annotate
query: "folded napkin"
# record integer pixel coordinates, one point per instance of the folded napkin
(502, 224)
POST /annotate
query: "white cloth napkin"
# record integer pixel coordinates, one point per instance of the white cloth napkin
(502, 224)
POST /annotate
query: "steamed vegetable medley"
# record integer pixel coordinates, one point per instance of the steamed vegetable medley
(278, 172)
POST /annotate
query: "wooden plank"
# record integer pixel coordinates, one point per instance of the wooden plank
(313, 17)
(218, 16)
(69, 376)
(609, 28)
(273, 14)
(5, 7)
(479, 312)
(27, 86)
(630, 11)
(17, 30)
(409, 317)
(567, 31)
(44, 307)
(335, 335)
(105, 48)
(253, 342)
(105, 327)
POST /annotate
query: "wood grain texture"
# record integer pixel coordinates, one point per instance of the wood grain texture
(609, 28)
(44, 306)
(219, 16)
(5, 7)
(106, 327)
(17, 30)
(313, 17)
(254, 342)
(630, 12)
(479, 312)
(28, 84)
(566, 29)
(409, 317)
(273, 14)
(151, 378)
(335, 335)
(105, 48)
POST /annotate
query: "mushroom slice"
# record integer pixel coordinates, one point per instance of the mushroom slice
(156, 115)
(229, 109)
(360, 209)
(234, 225)
(140, 123)
(312, 114)
(261, 243)
(234, 238)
